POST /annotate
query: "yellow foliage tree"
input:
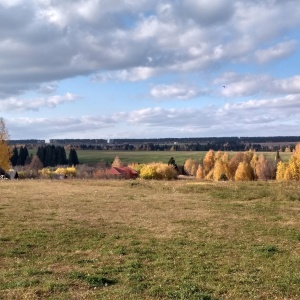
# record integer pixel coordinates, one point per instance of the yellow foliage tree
(199, 173)
(291, 170)
(5, 152)
(281, 168)
(234, 163)
(220, 169)
(209, 161)
(243, 172)
(194, 169)
(117, 162)
(210, 175)
(253, 163)
(190, 166)
(248, 155)
(218, 155)
(225, 157)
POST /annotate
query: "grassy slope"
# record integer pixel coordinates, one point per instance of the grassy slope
(77, 239)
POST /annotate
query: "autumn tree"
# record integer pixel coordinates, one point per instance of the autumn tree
(264, 169)
(199, 172)
(291, 170)
(5, 153)
(190, 167)
(209, 161)
(281, 168)
(234, 163)
(243, 172)
(117, 162)
(253, 164)
(221, 170)
(36, 163)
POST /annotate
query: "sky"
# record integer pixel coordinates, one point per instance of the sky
(149, 68)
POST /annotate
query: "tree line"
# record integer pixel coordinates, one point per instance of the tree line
(49, 156)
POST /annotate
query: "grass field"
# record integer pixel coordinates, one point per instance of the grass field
(94, 156)
(88, 239)
(103, 156)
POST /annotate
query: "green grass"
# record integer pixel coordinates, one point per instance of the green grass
(94, 156)
(90, 239)
(97, 156)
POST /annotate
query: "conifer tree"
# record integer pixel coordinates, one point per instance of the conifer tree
(73, 158)
(14, 157)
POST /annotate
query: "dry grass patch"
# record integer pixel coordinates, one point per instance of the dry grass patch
(92, 239)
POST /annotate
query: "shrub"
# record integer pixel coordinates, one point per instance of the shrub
(67, 172)
(45, 173)
(137, 167)
(158, 171)
(100, 174)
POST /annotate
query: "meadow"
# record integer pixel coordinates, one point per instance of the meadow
(106, 239)
(96, 156)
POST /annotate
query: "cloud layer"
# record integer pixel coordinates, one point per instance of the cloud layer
(192, 50)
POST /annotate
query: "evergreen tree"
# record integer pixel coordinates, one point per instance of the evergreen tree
(21, 158)
(15, 156)
(61, 156)
(53, 156)
(41, 153)
(73, 158)
(48, 156)
(26, 155)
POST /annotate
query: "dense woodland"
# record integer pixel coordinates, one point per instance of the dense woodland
(174, 144)
(49, 156)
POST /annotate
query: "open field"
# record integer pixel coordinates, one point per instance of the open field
(96, 156)
(88, 239)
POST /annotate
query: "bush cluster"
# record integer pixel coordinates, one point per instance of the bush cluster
(158, 171)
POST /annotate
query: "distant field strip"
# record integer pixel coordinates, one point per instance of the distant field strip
(95, 156)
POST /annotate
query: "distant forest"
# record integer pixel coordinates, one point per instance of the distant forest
(268, 143)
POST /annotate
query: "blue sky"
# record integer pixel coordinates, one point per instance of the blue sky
(149, 68)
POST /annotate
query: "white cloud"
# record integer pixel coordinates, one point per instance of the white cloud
(278, 51)
(134, 74)
(16, 104)
(95, 37)
(259, 117)
(48, 88)
(237, 85)
(175, 91)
